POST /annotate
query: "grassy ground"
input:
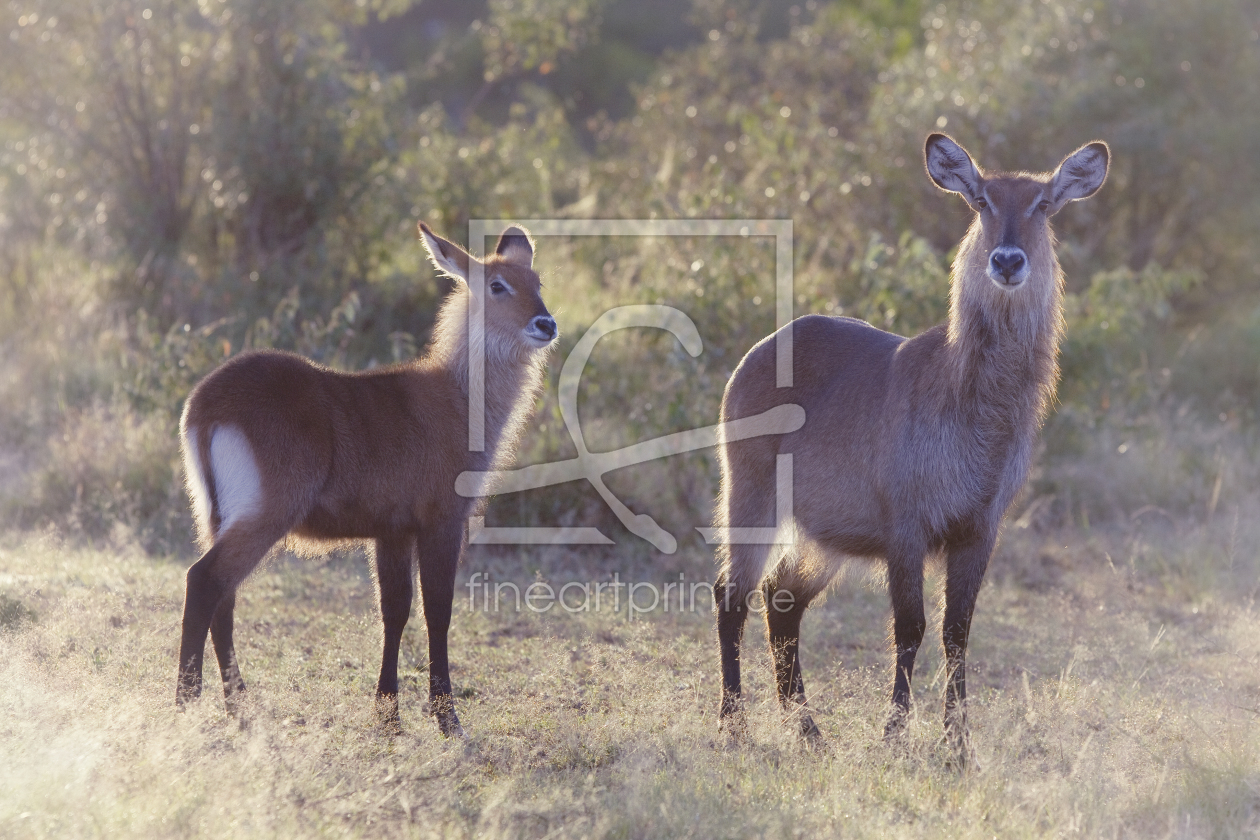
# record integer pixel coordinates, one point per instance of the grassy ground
(1115, 693)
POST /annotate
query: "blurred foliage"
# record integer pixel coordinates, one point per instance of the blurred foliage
(198, 144)
(13, 613)
(527, 35)
(181, 180)
(1111, 325)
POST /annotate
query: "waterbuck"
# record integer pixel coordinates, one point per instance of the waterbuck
(911, 447)
(276, 445)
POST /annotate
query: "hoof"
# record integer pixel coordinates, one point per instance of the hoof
(733, 721)
(450, 727)
(809, 730)
(896, 726)
(960, 756)
(388, 720)
(443, 708)
(963, 761)
(187, 688)
(235, 700)
(796, 712)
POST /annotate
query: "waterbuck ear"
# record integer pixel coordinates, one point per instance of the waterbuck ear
(448, 258)
(950, 167)
(1080, 175)
(516, 246)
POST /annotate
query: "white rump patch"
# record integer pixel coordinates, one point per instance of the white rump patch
(237, 484)
(198, 490)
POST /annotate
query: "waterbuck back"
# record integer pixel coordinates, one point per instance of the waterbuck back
(910, 447)
(276, 445)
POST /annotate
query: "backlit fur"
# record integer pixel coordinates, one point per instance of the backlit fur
(911, 447)
(278, 446)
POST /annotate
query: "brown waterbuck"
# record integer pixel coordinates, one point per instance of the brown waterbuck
(911, 448)
(275, 445)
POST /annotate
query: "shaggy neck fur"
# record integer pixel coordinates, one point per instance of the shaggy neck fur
(1004, 345)
(513, 373)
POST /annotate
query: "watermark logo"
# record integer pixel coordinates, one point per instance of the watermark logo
(592, 466)
(634, 599)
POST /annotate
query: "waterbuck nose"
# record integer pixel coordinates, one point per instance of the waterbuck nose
(545, 325)
(1007, 261)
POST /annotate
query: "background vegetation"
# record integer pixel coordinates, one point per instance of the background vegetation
(181, 181)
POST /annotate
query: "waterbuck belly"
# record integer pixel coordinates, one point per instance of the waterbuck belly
(354, 521)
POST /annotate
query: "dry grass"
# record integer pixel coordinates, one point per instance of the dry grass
(1116, 692)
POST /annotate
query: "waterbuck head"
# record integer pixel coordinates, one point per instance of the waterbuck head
(516, 319)
(1013, 210)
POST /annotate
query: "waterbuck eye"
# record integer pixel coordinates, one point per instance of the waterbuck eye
(1043, 205)
(981, 204)
(497, 287)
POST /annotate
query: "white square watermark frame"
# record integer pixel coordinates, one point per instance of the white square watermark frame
(592, 466)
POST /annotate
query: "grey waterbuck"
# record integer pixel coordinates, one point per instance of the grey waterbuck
(911, 448)
(276, 445)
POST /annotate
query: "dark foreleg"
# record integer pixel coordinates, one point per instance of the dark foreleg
(732, 612)
(439, 557)
(905, 587)
(784, 610)
(966, 565)
(395, 584)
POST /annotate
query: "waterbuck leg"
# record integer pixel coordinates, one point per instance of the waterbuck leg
(395, 585)
(965, 567)
(439, 555)
(202, 595)
(225, 652)
(905, 586)
(783, 628)
(732, 612)
(785, 607)
(210, 580)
